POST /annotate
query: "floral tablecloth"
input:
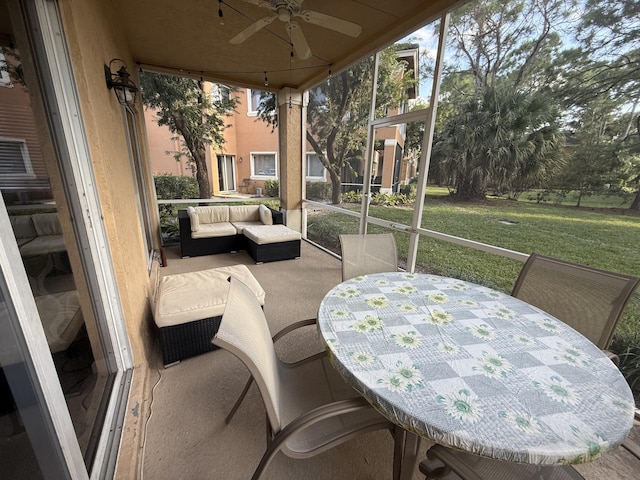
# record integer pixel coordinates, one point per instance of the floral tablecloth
(473, 368)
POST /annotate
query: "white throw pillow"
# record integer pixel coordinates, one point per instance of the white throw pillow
(265, 215)
(193, 216)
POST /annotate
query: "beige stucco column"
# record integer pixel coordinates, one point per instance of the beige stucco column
(290, 131)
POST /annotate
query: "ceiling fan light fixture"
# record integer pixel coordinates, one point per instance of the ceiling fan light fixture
(286, 11)
(284, 14)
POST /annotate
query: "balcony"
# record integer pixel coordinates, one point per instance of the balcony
(186, 436)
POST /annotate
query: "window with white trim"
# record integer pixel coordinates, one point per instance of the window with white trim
(5, 79)
(315, 168)
(14, 158)
(264, 165)
(254, 100)
(219, 93)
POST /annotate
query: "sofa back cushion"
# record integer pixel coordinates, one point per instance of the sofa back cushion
(265, 215)
(193, 219)
(46, 224)
(244, 213)
(213, 214)
(23, 226)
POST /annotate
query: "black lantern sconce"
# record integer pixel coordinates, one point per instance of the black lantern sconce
(121, 84)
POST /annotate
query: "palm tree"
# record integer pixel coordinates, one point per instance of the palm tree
(500, 139)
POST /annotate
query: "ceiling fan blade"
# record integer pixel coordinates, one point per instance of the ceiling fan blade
(333, 23)
(254, 2)
(251, 29)
(300, 44)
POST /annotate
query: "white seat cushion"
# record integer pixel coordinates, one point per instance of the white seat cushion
(61, 318)
(43, 245)
(265, 234)
(186, 297)
(240, 226)
(222, 229)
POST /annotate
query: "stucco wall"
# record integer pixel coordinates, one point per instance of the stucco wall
(161, 141)
(94, 37)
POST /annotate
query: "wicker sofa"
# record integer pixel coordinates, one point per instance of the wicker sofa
(222, 228)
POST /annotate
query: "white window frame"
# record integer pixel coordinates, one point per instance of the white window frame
(250, 111)
(26, 159)
(315, 178)
(257, 176)
(5, 79)
(219, 92)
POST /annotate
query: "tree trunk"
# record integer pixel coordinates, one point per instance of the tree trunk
(467, 189)
(336, 188)
(635, 205)
(202, 175)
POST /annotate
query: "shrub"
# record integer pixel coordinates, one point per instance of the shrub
(271, 188)
(352, 197)
(273, 204)
(409, 190)
(389, 199)
(170, 187)
(318, 191)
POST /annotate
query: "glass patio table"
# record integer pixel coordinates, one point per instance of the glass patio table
(476, 369)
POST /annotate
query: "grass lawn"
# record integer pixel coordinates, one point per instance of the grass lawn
(604, 239)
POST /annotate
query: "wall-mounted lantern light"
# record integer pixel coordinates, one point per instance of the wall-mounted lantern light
(121, 84)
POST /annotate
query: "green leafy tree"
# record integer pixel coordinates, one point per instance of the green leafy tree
(501, 139)
(496, 41)
(610, 34)
(598, 160)
(184, 107)
(338, 113)
(497, 127)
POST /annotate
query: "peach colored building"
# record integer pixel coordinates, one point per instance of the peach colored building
(248, 157)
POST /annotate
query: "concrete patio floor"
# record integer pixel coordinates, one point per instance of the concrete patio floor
(186, 437)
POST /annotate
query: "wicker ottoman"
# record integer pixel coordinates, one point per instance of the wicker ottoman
(268, 243)
(189, 307)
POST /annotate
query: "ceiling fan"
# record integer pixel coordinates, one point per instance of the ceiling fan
(286, 11)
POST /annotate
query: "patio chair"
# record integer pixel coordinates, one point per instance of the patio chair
(363, 254)
(310, 409)
(589, 300)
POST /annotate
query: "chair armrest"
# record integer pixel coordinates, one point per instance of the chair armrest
(613, 357)
(292, 327)
(277, 217)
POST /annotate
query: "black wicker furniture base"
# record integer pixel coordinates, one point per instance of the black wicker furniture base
(179, 342)
(189, 307)
(272, 252)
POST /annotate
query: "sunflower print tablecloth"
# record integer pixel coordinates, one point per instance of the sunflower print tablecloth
(476, 369)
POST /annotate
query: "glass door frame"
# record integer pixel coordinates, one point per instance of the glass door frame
(56, 89)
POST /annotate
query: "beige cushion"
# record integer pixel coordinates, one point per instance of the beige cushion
(46, 224)
(186, 297)
(22, 226)
(61, 318)
(265, 215)
(244, 213)
(271, 234)
(193, 217)
(43, 245)
(240, 226)
(213, 214)
(222, 229)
